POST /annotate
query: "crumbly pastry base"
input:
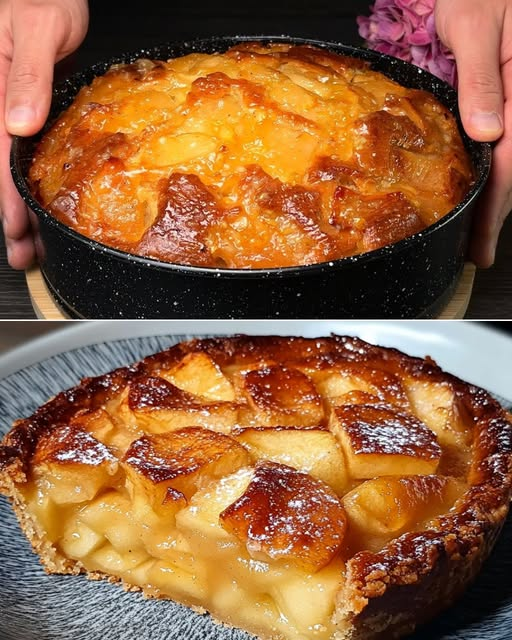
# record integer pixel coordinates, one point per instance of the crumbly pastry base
(385, 593)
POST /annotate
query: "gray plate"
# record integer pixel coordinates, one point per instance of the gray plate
(35, 606)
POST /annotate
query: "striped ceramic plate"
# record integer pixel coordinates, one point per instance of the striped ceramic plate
(35, 606)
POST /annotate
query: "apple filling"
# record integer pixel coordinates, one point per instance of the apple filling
(246, 493)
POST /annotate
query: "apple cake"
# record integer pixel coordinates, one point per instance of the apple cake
(296, 488)
(266, 155)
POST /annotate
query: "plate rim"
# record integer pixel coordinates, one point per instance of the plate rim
(430, 334)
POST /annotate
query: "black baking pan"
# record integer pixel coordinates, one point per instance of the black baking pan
(413, 278)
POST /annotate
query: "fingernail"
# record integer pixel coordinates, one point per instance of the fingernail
(20, 117)
(487, 122)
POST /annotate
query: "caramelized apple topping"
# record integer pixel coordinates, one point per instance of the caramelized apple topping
(282, 396)
(351, 377)
(160, 406)
(198, 374)
(313, 451)
(377, 440)
(70, 444)
(272, 157)
(177, 460)
(286, 514)
(67, 454)
(382, 508)
(152, 392)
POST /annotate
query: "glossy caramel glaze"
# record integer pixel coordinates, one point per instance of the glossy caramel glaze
(69, 443)
(168, 456)
(381, 430)
(377, 466)
(263, 156)
(285, 514)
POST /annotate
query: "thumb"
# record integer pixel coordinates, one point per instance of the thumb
(29, 83)
(478, 66)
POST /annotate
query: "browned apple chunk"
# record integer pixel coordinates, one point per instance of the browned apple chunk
(287, 515)
(166, 467)
(105, 429)
(198, 374)
(73, 465)
(355, 397)
(436, 404)
(356, 378)
(382, 508)
(280, 396)
(159, 406)
(378, 440)
(313, 451)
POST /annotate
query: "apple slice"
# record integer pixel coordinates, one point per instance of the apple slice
(304, 599)
(382, 508)
(167, 469)
(355, 377)
(287, 515)
(199, 521)
(313, 451)
(437, 405)
(377, 440)
(79, 540)
(103, 427)
(198, 374)
(158, 406)
(73, 465)
(110, 515)
(279, 396)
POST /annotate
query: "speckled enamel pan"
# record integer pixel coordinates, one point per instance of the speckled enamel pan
(413, 278)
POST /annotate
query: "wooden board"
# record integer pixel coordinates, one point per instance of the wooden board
(46, 308)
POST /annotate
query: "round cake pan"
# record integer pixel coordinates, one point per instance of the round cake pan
(413, 278)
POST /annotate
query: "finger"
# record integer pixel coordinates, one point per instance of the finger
(37, 34)
(494, 206)
(496, 201)
(478, 67)
(21, 253)
(14, 213)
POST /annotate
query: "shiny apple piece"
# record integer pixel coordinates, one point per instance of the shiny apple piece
(313, 451)
(438, 406)
(73, 465)
(169, 466)
(281, 396)
(357, 378)
(382, 508)
(158, 406)
(285, 514)
(198, 374)
(102, 426)
(378, 440)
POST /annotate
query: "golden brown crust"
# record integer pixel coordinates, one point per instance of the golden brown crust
(264, 156)
(386, 592)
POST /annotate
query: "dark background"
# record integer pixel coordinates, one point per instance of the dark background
(332, 19)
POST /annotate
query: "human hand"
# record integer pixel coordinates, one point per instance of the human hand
(479, 32)
(34, 35)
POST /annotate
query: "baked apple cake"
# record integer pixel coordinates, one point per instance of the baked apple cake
(266, 155)
(296, 488)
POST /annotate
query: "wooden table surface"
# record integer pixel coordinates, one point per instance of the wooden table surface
(114, 27)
